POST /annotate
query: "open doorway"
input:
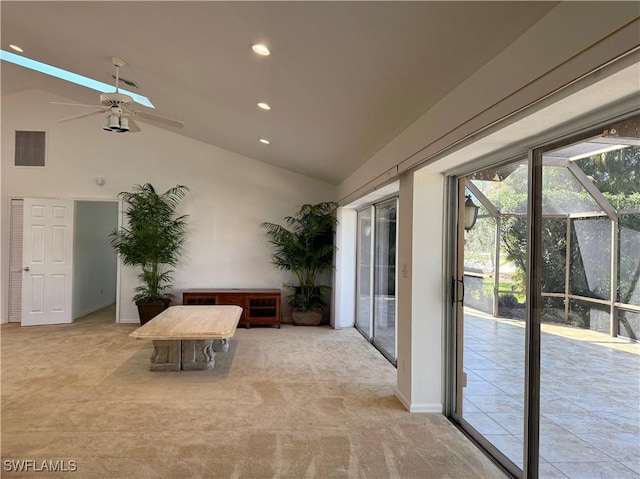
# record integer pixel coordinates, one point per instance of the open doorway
(94, 261)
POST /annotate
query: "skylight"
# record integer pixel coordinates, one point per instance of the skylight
(69, 76)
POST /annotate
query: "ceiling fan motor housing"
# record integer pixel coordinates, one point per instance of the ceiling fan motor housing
(114, 99)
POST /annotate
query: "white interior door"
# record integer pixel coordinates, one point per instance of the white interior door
(47, 252)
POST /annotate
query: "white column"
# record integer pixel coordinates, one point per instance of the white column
(421, 292)
(344, 278)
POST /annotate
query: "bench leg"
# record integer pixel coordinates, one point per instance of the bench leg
(197, 354)
(166, 356)
(221, 345)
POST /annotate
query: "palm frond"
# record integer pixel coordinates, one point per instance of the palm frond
(305, 247)
(153, 237)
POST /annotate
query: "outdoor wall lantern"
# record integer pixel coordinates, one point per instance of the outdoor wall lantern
(470, 213)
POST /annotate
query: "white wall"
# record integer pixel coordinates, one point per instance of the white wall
(404, 295)
(571, 40)
(344, 294)
(230, 194)
(420, 286)
(428, 301)
(94, 261)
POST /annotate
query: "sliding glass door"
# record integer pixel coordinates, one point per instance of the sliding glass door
(590, 374)
(546, 296)
(365, 272)
(376, 276)
(384, 303)
(491, 308)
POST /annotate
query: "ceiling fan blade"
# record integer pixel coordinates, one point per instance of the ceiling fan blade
(75, 117)
(78, 104)
(144, 116)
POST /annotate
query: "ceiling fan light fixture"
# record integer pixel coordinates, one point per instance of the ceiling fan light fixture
(114, 122)
(105, 127)
(124, 124)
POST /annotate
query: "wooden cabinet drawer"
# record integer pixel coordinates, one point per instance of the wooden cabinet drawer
(201, 299)
(259, 306)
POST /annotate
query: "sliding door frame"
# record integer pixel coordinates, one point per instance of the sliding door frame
(373, 276)
(532, 391)
(533, 310)
(358, 268)
(456, 378)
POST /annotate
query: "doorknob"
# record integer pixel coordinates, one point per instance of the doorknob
(26, 268)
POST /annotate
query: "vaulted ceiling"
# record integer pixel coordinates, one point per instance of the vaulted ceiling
(343, 78)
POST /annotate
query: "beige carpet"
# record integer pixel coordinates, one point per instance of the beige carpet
(296, 402)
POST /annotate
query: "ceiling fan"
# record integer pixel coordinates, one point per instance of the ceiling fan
(120, 109)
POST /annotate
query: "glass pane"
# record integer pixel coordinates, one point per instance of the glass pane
(587, 315)
(384, 314)
(504, 186)
(365, 240)
(493, 347)
(590, 272)
(616, 174)
(564, 194)
(513, 263)
(589, 382)
(629, 324)
(553, 310)
(479, 263)
(554, 254)
(629, 259)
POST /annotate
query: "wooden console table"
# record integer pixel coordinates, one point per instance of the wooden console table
(259, 306)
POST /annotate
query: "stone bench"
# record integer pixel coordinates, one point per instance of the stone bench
(186, 337)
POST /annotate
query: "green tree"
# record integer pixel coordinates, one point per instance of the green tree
(617, 175)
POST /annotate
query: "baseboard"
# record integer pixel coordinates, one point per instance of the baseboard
(92, 309)
(129, 321)
(432, 408)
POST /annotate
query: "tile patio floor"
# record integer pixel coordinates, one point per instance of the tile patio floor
(590, 397)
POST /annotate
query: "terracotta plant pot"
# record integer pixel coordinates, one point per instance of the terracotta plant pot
(147, 310)
(310, 317)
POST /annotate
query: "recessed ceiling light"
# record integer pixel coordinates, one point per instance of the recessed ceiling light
(260, 49)
(264, 106)
(16, 48)
(265, 141)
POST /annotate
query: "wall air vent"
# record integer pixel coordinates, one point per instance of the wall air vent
(30, 148)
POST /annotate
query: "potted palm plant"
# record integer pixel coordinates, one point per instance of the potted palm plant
(152, 240)
(305, 247)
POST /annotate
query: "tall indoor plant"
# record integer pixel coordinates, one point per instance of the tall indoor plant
(305, 247)
(152, 240)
